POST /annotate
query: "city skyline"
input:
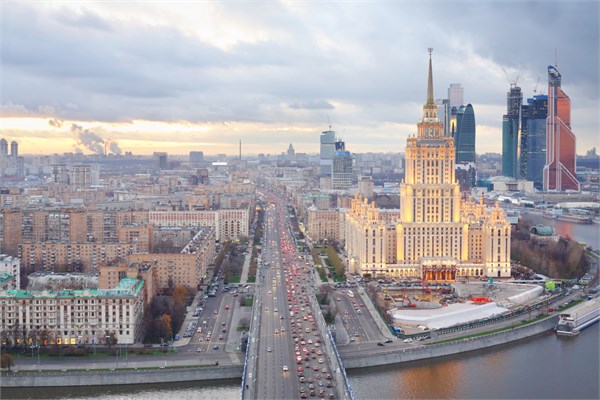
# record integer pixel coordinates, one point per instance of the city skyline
(170, 78)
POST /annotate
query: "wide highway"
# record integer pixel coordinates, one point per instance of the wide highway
(290, 361)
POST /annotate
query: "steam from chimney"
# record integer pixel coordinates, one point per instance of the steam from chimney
(114, 148)
(93, 141)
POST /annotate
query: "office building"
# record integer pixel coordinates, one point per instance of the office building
(464, 141)
(327, 152)
(455, 95)
(342, 172)
(510, 133)
(533, 139)
(559, 171)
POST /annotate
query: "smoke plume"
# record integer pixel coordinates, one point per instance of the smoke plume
(114, 148)
(57, 123)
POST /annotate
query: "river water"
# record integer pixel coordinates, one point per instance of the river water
(542, 367)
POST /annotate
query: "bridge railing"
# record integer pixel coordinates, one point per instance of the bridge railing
(342, 384)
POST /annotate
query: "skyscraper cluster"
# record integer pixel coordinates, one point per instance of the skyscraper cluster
(537, 141)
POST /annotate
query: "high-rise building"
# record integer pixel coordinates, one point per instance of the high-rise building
(14, 151)
(559, 171)
(443, 106)
(161, 159)
(464, 141)
(196, 157)
(342, 171)
(533, 139)
(291, 153)
(437, 237)
(510, 132)
(3, 147)
(455, 95)
(327, 152)
(464, 137)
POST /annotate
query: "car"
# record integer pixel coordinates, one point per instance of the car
(216, 347)
(408, 340)
(269, 350)
(380, 344)
(285, 368)
(388, 341)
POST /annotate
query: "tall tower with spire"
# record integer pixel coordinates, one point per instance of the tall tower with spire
(437, 236)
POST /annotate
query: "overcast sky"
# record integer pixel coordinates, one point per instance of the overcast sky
(182, 76)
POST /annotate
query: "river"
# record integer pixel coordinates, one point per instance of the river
(543, 367)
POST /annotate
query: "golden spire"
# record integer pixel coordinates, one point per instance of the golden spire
(430, 81)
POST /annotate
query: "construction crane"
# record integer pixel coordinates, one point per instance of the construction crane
(535, 88)
(513, 83)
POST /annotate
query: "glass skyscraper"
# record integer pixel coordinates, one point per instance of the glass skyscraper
(510, 133)
(559, 171)
(533, 151)
(464, 138)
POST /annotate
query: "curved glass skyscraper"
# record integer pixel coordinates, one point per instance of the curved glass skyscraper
(464, 138)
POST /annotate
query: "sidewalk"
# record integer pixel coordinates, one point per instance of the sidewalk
(245, 269)
(234, 337)
(376, 316)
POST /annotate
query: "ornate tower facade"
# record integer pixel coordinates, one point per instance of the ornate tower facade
(436, 236)
(430, 226)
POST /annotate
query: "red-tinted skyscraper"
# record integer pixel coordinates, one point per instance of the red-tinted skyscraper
(559, 171)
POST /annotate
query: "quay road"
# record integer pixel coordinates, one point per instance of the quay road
(288, 361)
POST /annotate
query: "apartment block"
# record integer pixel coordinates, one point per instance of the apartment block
(73, 316)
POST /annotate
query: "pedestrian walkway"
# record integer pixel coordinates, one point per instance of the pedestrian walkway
(376, 316)
(245, 269)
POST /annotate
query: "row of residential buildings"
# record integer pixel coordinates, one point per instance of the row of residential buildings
(115, 309)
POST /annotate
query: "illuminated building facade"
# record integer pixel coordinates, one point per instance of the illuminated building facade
(437, 236)
(559, 171)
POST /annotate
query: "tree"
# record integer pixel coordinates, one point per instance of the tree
(166, 323)
(244, 324)
(180, 295)
(7, 361)
(111, 338)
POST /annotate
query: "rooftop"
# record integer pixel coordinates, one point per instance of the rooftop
(127, 287)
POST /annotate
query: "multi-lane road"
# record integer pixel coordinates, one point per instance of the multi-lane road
(290, 362)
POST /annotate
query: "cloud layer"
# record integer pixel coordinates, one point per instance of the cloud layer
(274, 73)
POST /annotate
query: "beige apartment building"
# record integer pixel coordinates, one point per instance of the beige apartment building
(228, 224)
(324, 224)
(65, 225)
(73, 316)
(52, 256)
(186, 268)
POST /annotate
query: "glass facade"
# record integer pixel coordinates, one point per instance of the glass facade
(511, 141)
